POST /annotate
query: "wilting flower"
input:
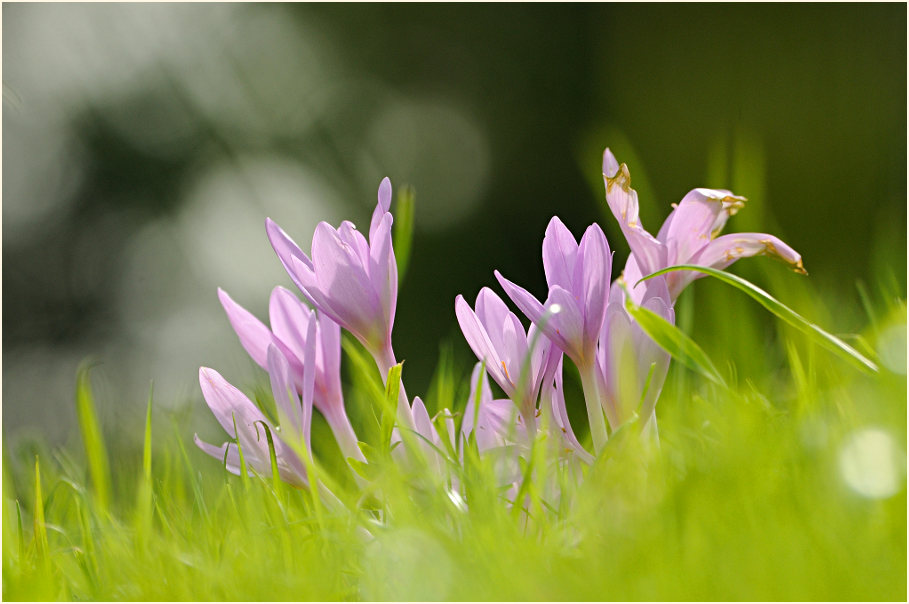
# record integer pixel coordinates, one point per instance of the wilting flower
(303, 337)
(515, 359)
(246, 424)
(352, 281)
(578, 277)
(689, 234)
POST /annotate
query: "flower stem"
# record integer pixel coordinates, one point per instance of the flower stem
(592, 397)
(385, 360)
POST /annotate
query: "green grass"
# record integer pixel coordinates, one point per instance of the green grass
(748, 496)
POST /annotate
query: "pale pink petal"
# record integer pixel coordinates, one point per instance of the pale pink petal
(254, 336)
(286, 249)
(479, 341)
(383, 269)
(566, 329)
(382, 207)
(289, 319)
(697, 219)
(592, 274)
(559, 254)
(523, 299)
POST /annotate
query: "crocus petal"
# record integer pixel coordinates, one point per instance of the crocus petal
(623, 201)
(382, 207)
(328, 357)
(649, 353)
(592, 274)
(290, 413)
(232, 459)
(696, 220)
(289, 319)
(724, 250)
(383, 269)
(287, 250)
(560, 415)
(479, 341)
(254, 336)
(523, 299)
(566, 329)
(352, 237)
(559, 253)
(344, 284)
(227, 404)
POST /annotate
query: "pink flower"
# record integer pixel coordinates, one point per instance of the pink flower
(689, 234)
(350, 280)
(233, 408)
(293, 328)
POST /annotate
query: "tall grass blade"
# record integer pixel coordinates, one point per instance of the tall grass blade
(783, 312)
(39, 525)
(92, 437)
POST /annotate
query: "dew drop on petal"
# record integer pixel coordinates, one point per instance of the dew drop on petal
(871, 464)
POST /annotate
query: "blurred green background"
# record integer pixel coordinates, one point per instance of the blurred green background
(145, 144)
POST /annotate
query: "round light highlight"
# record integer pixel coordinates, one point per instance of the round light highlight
(871, 464)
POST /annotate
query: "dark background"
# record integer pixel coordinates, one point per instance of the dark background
(143, 146)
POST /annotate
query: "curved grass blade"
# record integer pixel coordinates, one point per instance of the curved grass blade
(674, 341)
(829, 341)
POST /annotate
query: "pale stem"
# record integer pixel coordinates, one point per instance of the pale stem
(344, 434)
(385, 360)
(592, 397)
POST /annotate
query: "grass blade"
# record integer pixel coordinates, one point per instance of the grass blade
(674, 341)
(39, 524)
(95, 450)
(829, 341)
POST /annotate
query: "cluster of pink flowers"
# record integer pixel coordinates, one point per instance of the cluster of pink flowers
(351, 282)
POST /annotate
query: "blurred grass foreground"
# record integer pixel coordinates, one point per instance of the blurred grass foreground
(780, 473)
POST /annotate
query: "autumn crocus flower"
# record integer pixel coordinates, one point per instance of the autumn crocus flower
(294, 327)
(246, 424)
(514, 358)
(352, 281)
(690, 233)
(578, 276)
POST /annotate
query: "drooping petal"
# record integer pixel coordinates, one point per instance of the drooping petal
(696, 220)
(725, 250)
(623, 201)
(559, 254)
(254, 336)
(228, 405)
(592, 274)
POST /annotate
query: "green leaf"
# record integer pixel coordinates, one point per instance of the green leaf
(390, 402)
(674, 341)
(782, 311)
(95, 450)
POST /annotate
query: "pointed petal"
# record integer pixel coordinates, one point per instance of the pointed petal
(228, 403)
(559, 252)
(328, 362)
(232, 459)
(254, 336)
(479, 341)
(287, 250)
(523, 299)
